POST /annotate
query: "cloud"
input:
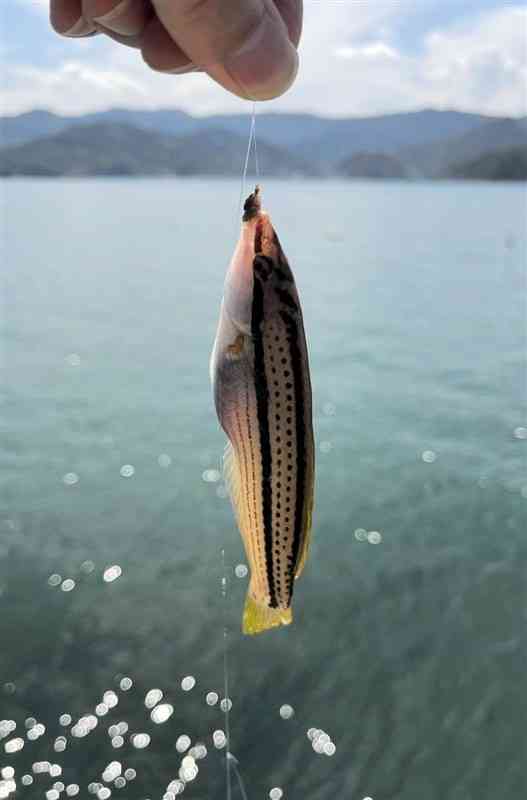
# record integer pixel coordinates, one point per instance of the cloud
(351, 63)
(77, 86)
(483, 67)
(78, 75)
(478, 65)
(373, 51)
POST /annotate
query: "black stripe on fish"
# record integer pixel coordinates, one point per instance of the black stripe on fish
(286, 299)
(296, 363)
(262, 405)
(282, 274)
(263, 266)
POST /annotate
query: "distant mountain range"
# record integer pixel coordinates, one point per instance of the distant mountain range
(427, 143)
(113, 148)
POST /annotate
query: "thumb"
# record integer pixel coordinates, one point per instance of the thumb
(242, 44)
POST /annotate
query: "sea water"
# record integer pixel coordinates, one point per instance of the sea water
(403, 674)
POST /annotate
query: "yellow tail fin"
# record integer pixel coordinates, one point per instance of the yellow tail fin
(258, 618)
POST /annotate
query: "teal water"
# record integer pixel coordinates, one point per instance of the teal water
(410, 651)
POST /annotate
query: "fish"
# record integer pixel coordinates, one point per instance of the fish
(261, 383)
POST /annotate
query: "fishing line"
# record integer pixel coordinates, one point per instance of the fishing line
(230, 760)
(250, 144)
(235, 763)
(226, 677)
(253, 126)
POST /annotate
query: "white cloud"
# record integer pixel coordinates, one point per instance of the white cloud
(483, 67)
(349, 65)
(87, 84)
(373, 51)
(78, 74)
(480, 65)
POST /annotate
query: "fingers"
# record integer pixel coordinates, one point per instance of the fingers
(129, 41)
(291, 13)
(244, 44)
(247, 46)
(125, 17)
(66, 18)
(161, 52)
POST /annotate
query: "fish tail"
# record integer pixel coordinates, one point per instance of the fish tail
(258, 618)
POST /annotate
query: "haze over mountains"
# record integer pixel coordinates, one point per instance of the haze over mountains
(430, 144)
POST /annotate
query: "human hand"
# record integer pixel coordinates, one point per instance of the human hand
(247, 46)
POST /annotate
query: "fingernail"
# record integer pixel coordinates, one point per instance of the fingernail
(81, 28)
(267, 63)
(124, 18)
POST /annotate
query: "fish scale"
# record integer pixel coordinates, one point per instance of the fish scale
(284, 458)
(262, 392)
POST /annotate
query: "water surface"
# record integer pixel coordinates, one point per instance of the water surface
(407, 648)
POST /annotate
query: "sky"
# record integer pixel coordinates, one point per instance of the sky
(357, 58)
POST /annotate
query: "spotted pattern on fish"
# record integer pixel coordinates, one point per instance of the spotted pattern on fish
(280, 391)
(263, 399)
(296, 357)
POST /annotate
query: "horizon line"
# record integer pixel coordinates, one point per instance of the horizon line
(418, 110)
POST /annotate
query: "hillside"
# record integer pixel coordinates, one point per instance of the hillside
(37, 124)
(318, 139)
(497, 165)
(387, 134)
(436, 159)
(168, 141)
(372, 165)
(118, 149)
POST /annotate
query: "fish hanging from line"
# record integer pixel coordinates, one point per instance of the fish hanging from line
(262, 392)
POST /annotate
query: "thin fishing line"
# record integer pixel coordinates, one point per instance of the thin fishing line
(226, 677)
(235, 763)
(245, 167)
(229, 758)
(252, 134)
(256, 164)
(250, 142)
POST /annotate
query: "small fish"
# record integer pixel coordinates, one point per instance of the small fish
(262, 392)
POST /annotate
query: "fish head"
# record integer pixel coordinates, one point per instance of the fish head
(238, 289)
(258, 257)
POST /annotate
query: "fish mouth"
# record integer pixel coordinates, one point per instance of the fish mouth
(264, 235)
(252, 206)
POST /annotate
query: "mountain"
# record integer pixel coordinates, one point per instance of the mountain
(168, 141)
(118, 149)
(497, 165)
(88, 150)
(372, 165)
(387, 134)
(435, 159)
(33, 125)
(285, 130)
(219, 152)
(318, 139)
